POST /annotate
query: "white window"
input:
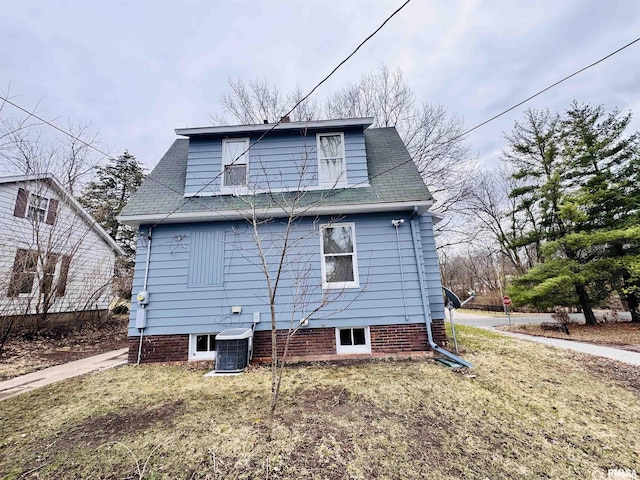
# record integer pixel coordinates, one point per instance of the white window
(235, 162)
(331, 161)
(202, 346)
(339, 262)
(353, 340)
(38, 207)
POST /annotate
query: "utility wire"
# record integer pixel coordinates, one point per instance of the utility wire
(481, 124)
(279, 121)
(333, 192)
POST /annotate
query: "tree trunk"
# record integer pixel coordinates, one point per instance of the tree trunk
(585, 303)
(634, 307)
(274, 361)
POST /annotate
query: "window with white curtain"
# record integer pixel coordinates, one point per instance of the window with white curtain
(331, 162)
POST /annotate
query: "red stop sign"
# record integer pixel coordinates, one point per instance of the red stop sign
(506, 300)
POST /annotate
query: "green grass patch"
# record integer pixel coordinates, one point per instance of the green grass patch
(524, 411)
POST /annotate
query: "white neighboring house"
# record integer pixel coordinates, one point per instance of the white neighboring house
(54, 257)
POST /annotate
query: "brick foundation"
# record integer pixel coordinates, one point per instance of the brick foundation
(438, 332)
(160, 348)
(312, 343)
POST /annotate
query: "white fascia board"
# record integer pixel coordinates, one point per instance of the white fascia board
(232, 215)
(314, 124)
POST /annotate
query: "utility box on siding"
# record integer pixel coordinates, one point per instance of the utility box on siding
(233, 350)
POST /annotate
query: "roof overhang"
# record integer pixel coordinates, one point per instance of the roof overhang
(363, 122)
(234, 215)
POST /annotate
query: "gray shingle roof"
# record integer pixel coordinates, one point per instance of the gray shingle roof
(392, 178)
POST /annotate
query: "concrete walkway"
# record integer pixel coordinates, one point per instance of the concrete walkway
(618, 354)
(31, 381)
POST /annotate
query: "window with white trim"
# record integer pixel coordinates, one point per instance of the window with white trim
(38, 207)
(235, 162)
(339, 261)
(353, 340)
(331, 159)
(202, 346)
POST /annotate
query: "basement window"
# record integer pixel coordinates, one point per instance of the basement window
(202, 346)
(353, 340)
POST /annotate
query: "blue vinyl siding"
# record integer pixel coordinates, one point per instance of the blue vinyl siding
(206, 258)
(431, 267)
(277, 161)
(175, 307)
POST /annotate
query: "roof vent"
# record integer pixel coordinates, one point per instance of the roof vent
(285, 119)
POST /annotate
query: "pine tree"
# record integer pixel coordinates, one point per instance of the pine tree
(106, 196)
(585, 202)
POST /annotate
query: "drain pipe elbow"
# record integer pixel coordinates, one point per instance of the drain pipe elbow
(423, 291)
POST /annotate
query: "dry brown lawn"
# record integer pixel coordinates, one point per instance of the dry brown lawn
(626, 335)
(24, 354)
(524, 411)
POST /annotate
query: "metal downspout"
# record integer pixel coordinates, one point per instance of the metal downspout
(144, 288)
(423, 293)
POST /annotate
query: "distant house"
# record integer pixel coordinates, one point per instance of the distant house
(54, 257)
(363, 237)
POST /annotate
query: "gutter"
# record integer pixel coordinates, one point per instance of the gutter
(423, 294)
(233, 215)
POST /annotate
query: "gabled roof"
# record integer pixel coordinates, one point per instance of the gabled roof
(69, 200)
(394, 184)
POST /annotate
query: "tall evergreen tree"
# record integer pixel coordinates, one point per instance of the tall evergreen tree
(107, 195)
(585, 203)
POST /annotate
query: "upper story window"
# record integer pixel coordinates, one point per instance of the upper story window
(332, 168)
(235, 162)
(38, 207)
(339, 262)
(35, 207)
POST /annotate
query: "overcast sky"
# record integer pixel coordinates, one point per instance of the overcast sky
(138, 69)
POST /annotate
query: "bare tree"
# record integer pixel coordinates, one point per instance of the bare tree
(282, 245)
(25, 149)
(432, 136)
(492, 210)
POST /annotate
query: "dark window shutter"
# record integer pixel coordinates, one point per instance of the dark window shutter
(14, 284)
(24, 272)
(61, 287)
(52, 212)
(20, 209)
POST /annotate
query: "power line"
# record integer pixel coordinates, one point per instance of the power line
(279, 121)
(545, 89)
(52, 125)
(333, 192)
(481, 124)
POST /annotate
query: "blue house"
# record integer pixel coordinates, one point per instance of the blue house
(335, 212)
